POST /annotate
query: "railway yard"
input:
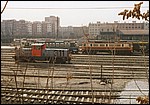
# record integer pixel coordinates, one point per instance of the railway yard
(87, 79)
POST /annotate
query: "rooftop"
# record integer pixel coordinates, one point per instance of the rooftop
(134, 32)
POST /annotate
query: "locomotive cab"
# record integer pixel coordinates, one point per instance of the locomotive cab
(37, 49)
(41, 53)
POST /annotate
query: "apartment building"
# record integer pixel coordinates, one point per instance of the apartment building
(51, 28)
(80, 31)
(46, 28)
(7, 30)
(55, 23)
(8, 27)
(29, 28)
(66, 32)
(37, 28)
(130, 26)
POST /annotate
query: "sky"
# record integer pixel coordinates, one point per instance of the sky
(70, 17)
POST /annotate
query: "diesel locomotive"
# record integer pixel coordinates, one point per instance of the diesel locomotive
(38, 52)
(93, 47)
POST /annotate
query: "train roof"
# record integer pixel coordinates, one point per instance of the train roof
(27, 48)
(56, 49)
(100, 41)
(37, 44)
(54, 41)
(59, 41)
(7, 47)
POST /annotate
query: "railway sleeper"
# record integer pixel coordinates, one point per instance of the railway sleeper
(65, 100)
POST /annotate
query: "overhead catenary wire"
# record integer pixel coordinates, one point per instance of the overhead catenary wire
(73, 8)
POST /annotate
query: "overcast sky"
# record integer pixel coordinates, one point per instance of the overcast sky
(70, 17)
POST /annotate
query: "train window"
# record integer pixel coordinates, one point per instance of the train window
(64, 44)
(91, 45)
(126, 45)
(111, 45)
(95, 44)
(49, 44)
(122, 45)
(117, 44)
(57, 44)
(53, 44)
(102, 44)
(129, 45)
(67, 45)
(72, 44)
(61, 45)
(38, 47)
(106, 45)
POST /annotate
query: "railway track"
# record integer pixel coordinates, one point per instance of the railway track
(79, 71)
(53, 96)
(26, 95)
(123, 68)
(109, 60)
(98, 59)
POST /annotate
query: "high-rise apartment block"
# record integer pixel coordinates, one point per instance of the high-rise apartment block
(50, 27)
(29, 28)
(55, 24)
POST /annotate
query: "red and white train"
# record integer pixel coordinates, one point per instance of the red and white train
(93, 47)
